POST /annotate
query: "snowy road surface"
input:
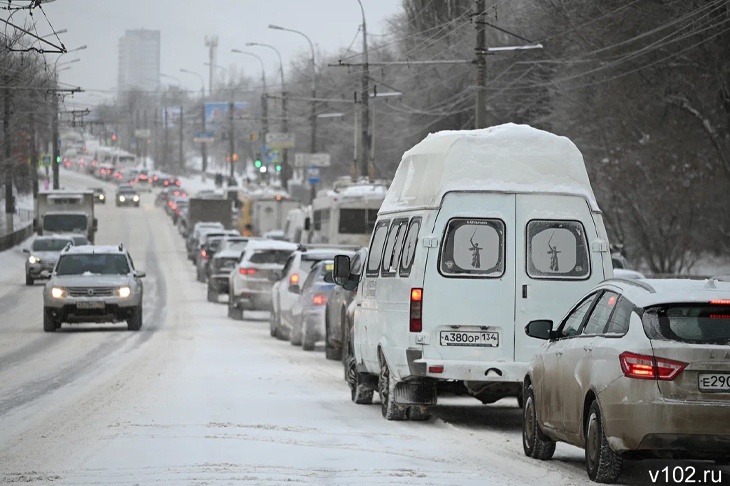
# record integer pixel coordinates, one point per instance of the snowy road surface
(196, 398)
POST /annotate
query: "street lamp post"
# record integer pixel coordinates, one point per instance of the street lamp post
(285, 171)
(313, 119)
(203, 145)
(231, 132)
(55, 136)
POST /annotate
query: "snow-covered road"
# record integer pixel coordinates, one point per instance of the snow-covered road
(197, 398)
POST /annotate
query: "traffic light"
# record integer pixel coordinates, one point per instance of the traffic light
(235, 157)
(58, 159)
(278, 167)
(257, 163)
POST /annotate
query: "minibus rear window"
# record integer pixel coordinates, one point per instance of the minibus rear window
(557, 250)
(473, 248)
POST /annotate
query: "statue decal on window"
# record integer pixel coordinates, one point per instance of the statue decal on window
(476, 257)
(553, 252)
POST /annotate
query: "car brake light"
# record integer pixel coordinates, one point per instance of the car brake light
(177, 183)
(294, 279)
(247, 271)
(319, 299)
(720, 302)
(644, 367)
(203, 253)
(435, 369)
(416, 324)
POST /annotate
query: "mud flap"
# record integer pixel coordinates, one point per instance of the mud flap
(415, 393)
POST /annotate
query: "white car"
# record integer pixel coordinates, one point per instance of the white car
(249, 285)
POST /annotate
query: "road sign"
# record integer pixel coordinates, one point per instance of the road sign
(142, 133)
(312, 160)
(313, 175)
(203, 137)
(46, 160)
(274, 156)
(280, 141)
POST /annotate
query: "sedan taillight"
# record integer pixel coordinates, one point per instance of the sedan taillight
(644, 367)
(247, 271)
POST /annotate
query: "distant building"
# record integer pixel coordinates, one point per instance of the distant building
(139, 60)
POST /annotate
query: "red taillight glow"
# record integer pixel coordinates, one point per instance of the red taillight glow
(203, 253)
(294, 279)
(319, 299)
(720, 302)
(719, 316)
(644, 367)
(170, 203)
(435, 369)
(416, 309)
(247, 271)
(177, 183)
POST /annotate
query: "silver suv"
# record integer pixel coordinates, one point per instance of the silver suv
(93, 284)
(43, 255)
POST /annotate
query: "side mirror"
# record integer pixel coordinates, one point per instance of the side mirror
(26, 250)
(341, 271)
(541, 329)
(294, 289)
(141, 274)
(96, 224)
(307, 223)
(328, 278)
(45, 274)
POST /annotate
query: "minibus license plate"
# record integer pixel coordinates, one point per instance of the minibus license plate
(714, 382)
(469, 338)
(90, 305)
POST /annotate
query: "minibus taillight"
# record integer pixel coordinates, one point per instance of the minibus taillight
(294, 279)
(416, 310)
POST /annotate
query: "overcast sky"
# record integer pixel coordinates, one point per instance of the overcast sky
(183, 25)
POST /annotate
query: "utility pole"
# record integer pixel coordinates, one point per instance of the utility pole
(33, 158)
(365, 98)
(480, 115)
(167, 139)
(146, 142)
(56, 149)
(182, 156)
(203, 145)
(9, 202)
(231, 132)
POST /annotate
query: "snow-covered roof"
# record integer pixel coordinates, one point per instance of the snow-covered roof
(255, 245)
(678, 290)
(506, 158)
(361, 191)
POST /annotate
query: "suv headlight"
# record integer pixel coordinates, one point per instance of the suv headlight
(121, 198)
(58, 292)
(33, 259)
(135, 198)
(101, 197)
(124, 292)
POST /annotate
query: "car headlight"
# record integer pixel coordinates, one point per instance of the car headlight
(33, 259)
(135, 198)
(58, 293)
(121, 198)
(101, 197)
(124, 292)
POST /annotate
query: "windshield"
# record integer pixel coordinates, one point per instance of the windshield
(49, 244)
(65, 223)
(100, 264)
(277, 257)
(693, 323)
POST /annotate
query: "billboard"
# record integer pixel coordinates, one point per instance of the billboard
(216, 112)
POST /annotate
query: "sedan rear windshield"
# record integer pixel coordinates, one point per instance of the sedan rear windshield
(277, 257)
(99, 263)
(49, 244)
(689, 323)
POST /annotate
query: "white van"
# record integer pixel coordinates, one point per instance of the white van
(480, 232)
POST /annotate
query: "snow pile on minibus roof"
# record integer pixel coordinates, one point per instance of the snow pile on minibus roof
(363, 191)
(506, 158)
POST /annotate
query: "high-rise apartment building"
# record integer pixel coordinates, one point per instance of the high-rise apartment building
(139, 60)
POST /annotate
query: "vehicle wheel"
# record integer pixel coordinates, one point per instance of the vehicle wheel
(134, 323)
(386, 390)
(295, 336)
(212, 295)
(234, 312)
(602, 464)
(198, 275)
(272, 323)
(29, 280)
(330, 352)
(418, 413)
(359, 393)
(534, 442)
(307, 343)
(49, 323)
